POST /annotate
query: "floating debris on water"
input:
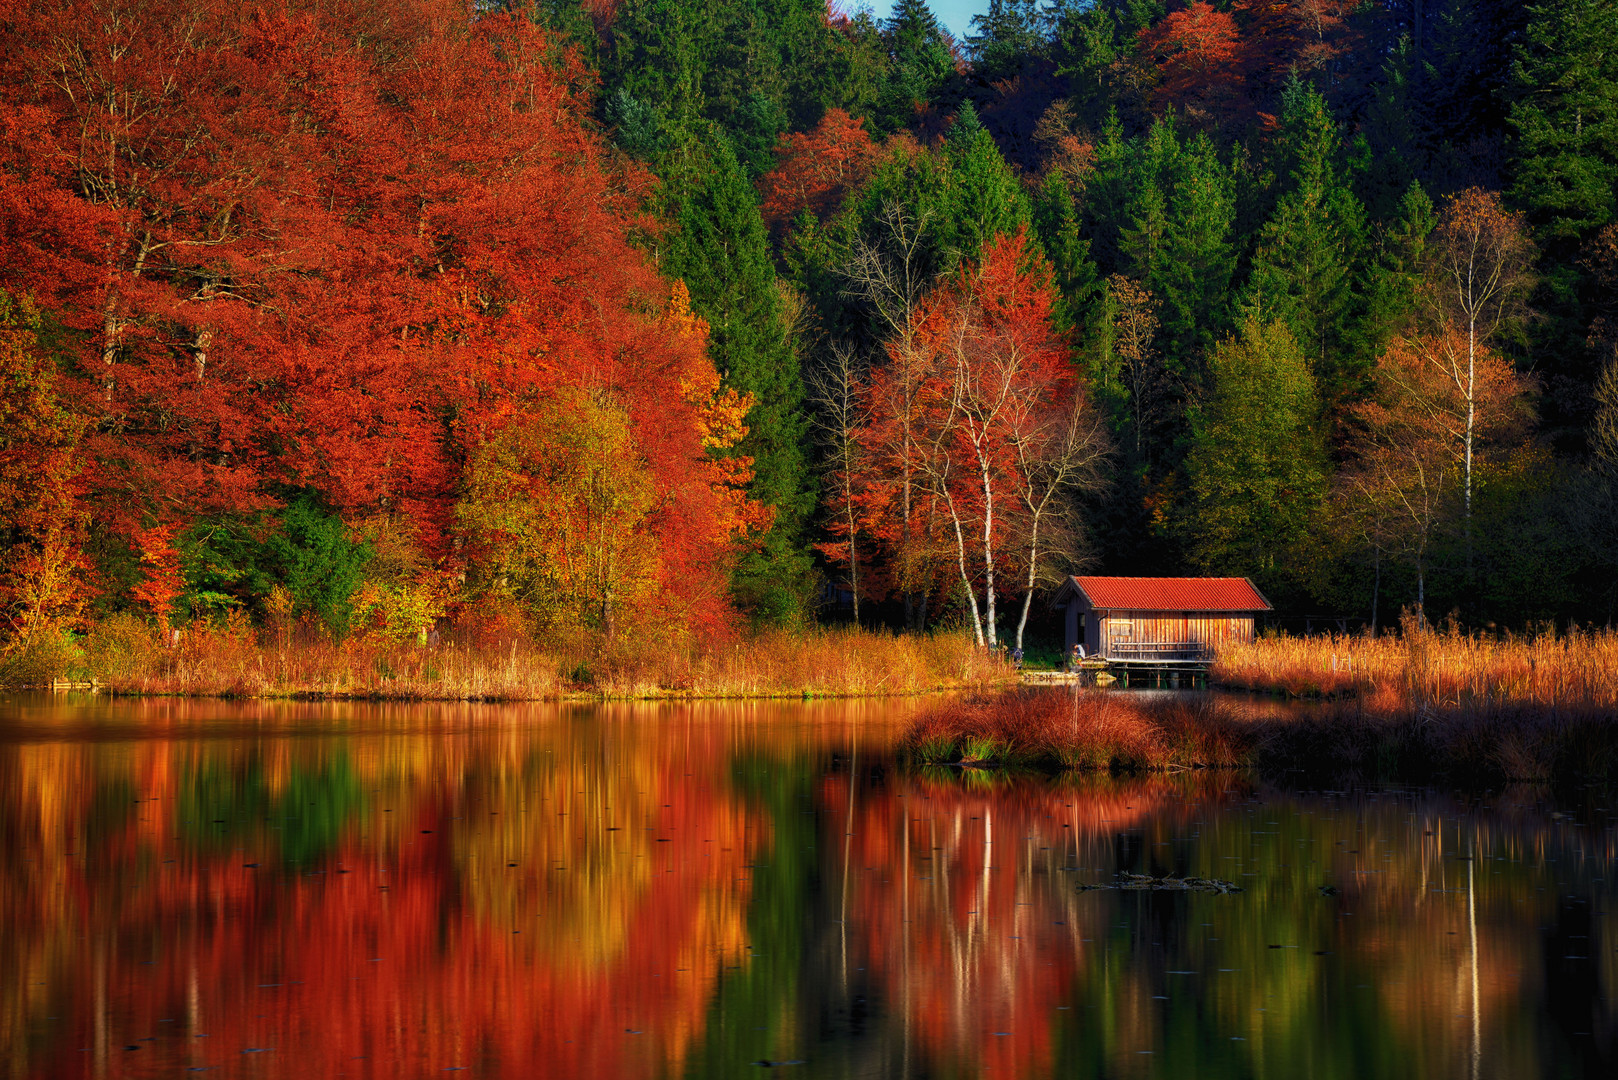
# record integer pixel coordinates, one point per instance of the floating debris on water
(1146, 882)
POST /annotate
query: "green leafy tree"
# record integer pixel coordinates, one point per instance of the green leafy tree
(1257, 466)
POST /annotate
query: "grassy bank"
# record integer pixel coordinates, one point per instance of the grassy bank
(1131, 732)
(126, 656)
(1423, 668)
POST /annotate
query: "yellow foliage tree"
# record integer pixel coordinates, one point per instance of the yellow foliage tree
(559, 504)
(41, 519)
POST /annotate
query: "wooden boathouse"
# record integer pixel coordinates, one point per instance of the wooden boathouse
(1157, 621)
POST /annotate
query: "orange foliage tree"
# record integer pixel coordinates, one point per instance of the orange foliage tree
(972, 404)
(335, 247)
(1195, 49)
(1478, 255)
(1412, 460)
(814, 170)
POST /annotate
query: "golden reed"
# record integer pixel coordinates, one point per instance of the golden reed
(124, 655)
(1425, 667)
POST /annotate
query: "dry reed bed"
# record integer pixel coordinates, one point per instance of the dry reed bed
(124, 656)
(1090, 729)
(1424, 668)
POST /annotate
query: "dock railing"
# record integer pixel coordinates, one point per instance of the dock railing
(1149, 651)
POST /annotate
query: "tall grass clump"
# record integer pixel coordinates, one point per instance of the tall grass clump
(1426, 668)
(1079, 729)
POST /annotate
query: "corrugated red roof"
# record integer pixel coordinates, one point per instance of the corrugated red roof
(1171, 593)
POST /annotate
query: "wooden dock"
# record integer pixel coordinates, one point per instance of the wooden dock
(1138, 673)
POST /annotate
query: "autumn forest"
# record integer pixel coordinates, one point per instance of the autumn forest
(663, 319)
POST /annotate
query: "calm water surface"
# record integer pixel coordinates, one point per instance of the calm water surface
(293, 890)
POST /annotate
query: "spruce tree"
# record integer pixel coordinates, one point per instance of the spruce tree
(1192, 278)
(1307, 252)
(1010, 35)
(720, 249)
(1152, 165)
(985, 198)
(1566, 117)
(1393, 271)
(919, 63)
(1059, 230)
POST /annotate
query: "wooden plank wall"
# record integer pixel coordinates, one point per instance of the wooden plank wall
(1202, 627)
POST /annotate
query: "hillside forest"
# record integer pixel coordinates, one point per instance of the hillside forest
(668, 317)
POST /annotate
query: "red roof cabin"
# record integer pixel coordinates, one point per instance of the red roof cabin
(1157, 620)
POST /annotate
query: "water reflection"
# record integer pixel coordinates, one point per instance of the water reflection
(656, 891)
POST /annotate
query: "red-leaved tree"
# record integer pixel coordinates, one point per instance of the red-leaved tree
(815, 169)
(336, 247)
(969, 414)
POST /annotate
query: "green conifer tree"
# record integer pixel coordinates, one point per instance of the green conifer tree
(985, 198)
(919, 62)
(720, 249)
(1307, 252)
(1393, 272)
(1192, 277)
(1566, 117)
(1058, 228)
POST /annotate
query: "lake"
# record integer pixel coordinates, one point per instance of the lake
(730, 889)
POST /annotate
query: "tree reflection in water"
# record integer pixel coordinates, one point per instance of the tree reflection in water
(662, 890)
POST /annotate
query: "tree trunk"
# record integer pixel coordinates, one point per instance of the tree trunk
(966, 580)
(1033, 567)
(988, 550)
(1471, 424)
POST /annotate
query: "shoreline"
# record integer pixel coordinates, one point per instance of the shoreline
(128, 659)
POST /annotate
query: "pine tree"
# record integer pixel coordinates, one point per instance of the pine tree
(1010, 35)
(657, 52)
(985, 198)
(1566, 117)
(720, 249)
(1058, 228)
(919, 62)
(1393, 275)
(1193, 276)
(1303, 269)
(1151, 175)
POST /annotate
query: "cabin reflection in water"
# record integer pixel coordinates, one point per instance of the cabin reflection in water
(1157, 620)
